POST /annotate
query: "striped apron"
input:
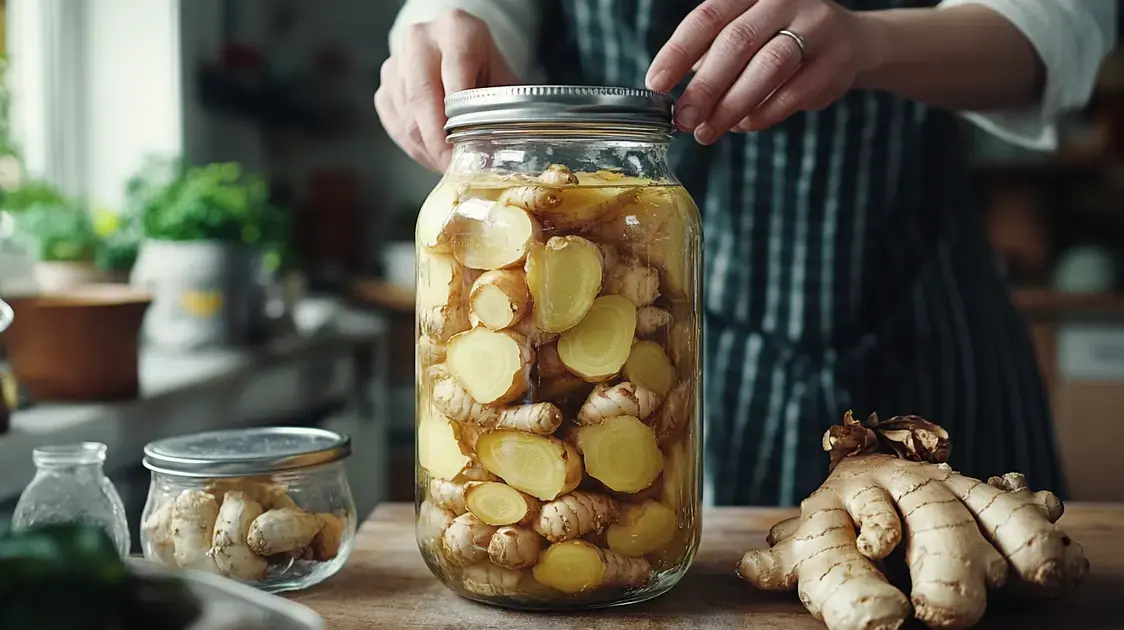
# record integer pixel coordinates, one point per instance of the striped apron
(845, 268)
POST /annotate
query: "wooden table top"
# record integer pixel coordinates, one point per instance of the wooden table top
(385, 584)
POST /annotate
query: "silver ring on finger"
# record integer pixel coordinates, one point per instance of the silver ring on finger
(800, 42)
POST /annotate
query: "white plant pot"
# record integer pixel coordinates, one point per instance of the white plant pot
(205, 294)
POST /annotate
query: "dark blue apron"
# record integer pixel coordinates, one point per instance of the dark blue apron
(845, 268)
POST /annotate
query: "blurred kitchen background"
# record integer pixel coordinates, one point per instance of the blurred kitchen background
(269, 102)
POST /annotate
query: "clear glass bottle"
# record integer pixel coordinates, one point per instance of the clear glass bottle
(558, 373)
(70, 485)
(268, 506)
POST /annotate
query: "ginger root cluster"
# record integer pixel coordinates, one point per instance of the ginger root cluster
(890, 489)
(557, 345)
(239, 528)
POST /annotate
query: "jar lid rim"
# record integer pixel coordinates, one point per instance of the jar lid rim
(243, 452)
(559, 103)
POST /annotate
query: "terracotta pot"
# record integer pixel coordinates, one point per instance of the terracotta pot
(78, 344)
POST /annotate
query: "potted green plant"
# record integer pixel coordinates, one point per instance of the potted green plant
(61, 238)
(206, 229)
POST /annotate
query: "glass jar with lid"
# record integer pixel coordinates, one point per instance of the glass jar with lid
(268, 506)
(558, 374)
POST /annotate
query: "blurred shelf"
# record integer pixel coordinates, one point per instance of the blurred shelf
(382, 294)
(1050, 304)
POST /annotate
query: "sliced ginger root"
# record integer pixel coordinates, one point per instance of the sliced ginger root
(532, 333)
(453, 400)
(435, 226)
(494, 367)
(514, 547)
(675, 414)
(448, 495)
(622, 399)
(650, 320)
(542, 466)
(431, 523)
(642, 528)
(499, 298)
(560, 204)
(633, 280)
(576, 566)
(430, 351)
(492, 235)
(678, 483)
(486, 578)
(597, 348)
(648, 366)
(962, 536)
(564, 277)
(439, 451)
(465, 540)
(575, 515)
(440, 297)
(621, 452)
(499, 504)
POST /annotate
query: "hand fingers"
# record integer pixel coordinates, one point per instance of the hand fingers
(739, 42)
(464, 56)
(814, 87)
(402, 130)
(774, 64)
(690, 40)
(424, 95)
(397, 129)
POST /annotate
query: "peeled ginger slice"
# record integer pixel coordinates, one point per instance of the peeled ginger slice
(439, 453)
(492, 235)
(499, 298)
(564, 277)
(571, 567)
(599, 345)
(542, 466)
(576, 566)
(499, 504)
(621, 453)
(493, 366)
(642, 528)
(435, 219)
(649, 367)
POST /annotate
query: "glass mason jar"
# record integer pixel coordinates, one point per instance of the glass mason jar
(270, 506)
(558, 373)
(70, 486)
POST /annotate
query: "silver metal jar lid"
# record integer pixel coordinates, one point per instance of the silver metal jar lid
(244, 452)
(558, 103)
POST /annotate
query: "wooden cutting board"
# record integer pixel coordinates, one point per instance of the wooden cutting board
(387, 585)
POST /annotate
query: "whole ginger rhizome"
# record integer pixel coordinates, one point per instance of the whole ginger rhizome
(890, 487)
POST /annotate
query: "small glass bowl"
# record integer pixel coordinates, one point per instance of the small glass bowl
(270, 507)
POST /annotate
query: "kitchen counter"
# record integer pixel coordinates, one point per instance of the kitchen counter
(387, 585)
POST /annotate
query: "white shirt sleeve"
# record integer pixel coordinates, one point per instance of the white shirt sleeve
(514, 25)
(1072, 38)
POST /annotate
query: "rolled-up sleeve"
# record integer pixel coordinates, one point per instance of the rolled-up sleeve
(514, 26)
(1072, 38)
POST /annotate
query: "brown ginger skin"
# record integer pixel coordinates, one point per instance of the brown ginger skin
(962, 536)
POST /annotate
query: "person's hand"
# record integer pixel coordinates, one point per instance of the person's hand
(453, 53)
(750, 75)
